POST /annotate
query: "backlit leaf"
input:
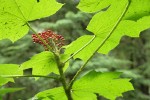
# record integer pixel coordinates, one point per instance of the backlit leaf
(138, 9)
(42, 64)
(14, 15)
(107, 84)
(8, 69)
(104, 22)
(93, 5)
(128, 28)
(51, 94)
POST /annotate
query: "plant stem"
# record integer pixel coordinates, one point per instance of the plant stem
(13, 76)
(62, 77)
(103, 42)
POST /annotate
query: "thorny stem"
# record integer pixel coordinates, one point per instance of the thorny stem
(103, 42)
(62, 77)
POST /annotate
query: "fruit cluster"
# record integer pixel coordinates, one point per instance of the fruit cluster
(50, 38)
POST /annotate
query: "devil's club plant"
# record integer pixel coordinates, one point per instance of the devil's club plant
(119, 18)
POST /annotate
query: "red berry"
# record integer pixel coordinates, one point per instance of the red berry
(47, 36)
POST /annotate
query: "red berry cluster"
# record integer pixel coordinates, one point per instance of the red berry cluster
(52, 39)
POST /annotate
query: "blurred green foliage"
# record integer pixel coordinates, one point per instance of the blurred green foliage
(131, 56)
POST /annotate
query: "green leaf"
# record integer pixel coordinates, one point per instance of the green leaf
(103, 23)
(52, 94)
(8, 69)
(12, 27)
(138, 9)
(107, 84)
(31, 9)
(14, 15)
(42, 64)
(57, 93)
(102, 31)
(88, 50)
(4, 80)
(133, 28)
(83, 95)
(9, 90)
(125, 27)
(128, 28)
(93, 5)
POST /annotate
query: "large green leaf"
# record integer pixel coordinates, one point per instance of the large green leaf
(14, 14)
(88, 50)
(126, 27)
(100, 30)
(103, 23)
(137, 9)
(42, 64)
(8, 70)
(93, 5)
(107, 84)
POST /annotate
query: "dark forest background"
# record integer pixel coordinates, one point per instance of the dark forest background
(131, 56)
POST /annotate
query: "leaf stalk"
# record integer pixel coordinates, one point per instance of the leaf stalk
(16, 76)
